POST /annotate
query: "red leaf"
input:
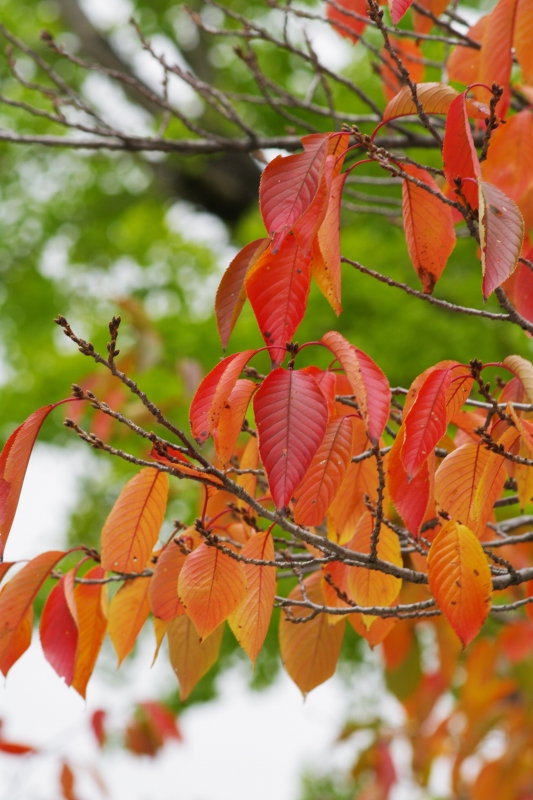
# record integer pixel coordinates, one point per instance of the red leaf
(411, 498)
(59, 633)
(429, 229)
(323, 479)
(306, 228)
(425, 424)
(213, 392)
(327, 382)
(501, 233)
(13, 464)
(458, 152)
(398, 8)
(91, 610)
(97, 725)
(162, 720)
(18, 595)
(496, 60)
(164, 600)
(348, 26)
(14, 749)
(288, 186)
(523, 37)
(231, 418)
(291, 416)
(326, 264)
(278, 288)
(231, 293)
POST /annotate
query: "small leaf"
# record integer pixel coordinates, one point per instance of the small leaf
(460, 579)
(324, 477)
(250, 620)
(249, 460)
(211, 585)
(291, 416)
(458, 152)
(191, 658)
(231, 293)
(425, 423)
(91, 606)
(128, 611)
(132, 528)
(310, 650)
(501, 233)
(435, 98)
(164, 600)
(59, 633)
(231, 419)
(429, 230)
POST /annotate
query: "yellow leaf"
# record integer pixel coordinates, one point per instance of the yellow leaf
(190, 657)
(128, 612)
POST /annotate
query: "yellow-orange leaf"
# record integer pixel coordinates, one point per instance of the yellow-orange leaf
(164, 600)
(369, 587)
(128, 612)
(435, 98)
(249, 460)
(231, 418)
(456, 482)
(190, 657)
(19, 643)
(249, 622)
(460, 579)
(211, 585)
(91, 612)
(310, 650)
(131, 529)
(491, 482)
(160, 629)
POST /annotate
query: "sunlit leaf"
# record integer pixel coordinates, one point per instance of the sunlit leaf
(501, 233)
(128, 611)
(59, 633)
(191, 658)
(132, 527)
(91, 606)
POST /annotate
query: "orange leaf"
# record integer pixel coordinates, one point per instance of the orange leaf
(310, 650)
(249, 460)
(185, 466)
(211, 585)
(231, 293)
(128, 611)
(523, 36)
(429, 230)
(423, 24)
(18, 595)
(347, 25)
(491, 482)
(412, 57)
(190, 657)
(456, 482)
(67, 783)
(132, 528)
(435, 98)
(496, 60)
(463, 63)
(323, 479)
(523, 369)
(510, 162)
(411, 498)
(306, 228)
(19, 643)
(425, 423)
(91, 606)
(326, 263)
(59, 633)
(370, 587)
(460, 579)
(164, 600)
(249, 622)
(231, 418)
(501, 233)
(458, 152)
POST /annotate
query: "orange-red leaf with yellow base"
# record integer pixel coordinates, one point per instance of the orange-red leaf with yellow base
(249, 622)
(523, 369)
(128, 611)
(18, 595)
(132, 528)
(211, 585)
(59, 633)
(310, 650)
(191, 658)
(164, 600)
(324, 477)
(91, 608)
(460, 579)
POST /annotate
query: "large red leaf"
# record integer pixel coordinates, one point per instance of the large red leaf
(523, 36)
(501, 233)
(18, 595)
(291, 415)
(496, 60)
(59, 633)
(13, 464)
(211, 585)
(214, 390)
(191, 658)
(249, 622)
(231, 293)
(164, 601)
(91, 610)
(326, 264)
(347, 26)
(128, 611)
(425, 424)
(132, 527)
(323, 479)
(231, 418)
(429, 230)
(458, 151)
(460, 579)
(288, 186)
(369, 385)
(278, 288)
(435, 98)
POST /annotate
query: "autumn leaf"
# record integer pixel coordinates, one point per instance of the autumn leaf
(463, 63)
(306, 228)
(91, 608)
(456, 482)
(231, 418)
(59, 633)
(249, 460)
(128, 611)
(132, 527)
(326, 261)
(310, 650)
(460, 579)
(177, 461)
(398, 8)
(410, 497)
(509, 166)
(501, 233)
(323, 479)
(435, 98)
(164, 600)
(413, 59)
(19, 642)
(523, 36)
(250, 620)
(496, 58)
(425, 423)
(428, 224)
(523, 369)
(191, 658)
(344, 23)
(291, 416)
(422, 23)
(458, 152)
(231, 293)
(211, 585)
(278, 289)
